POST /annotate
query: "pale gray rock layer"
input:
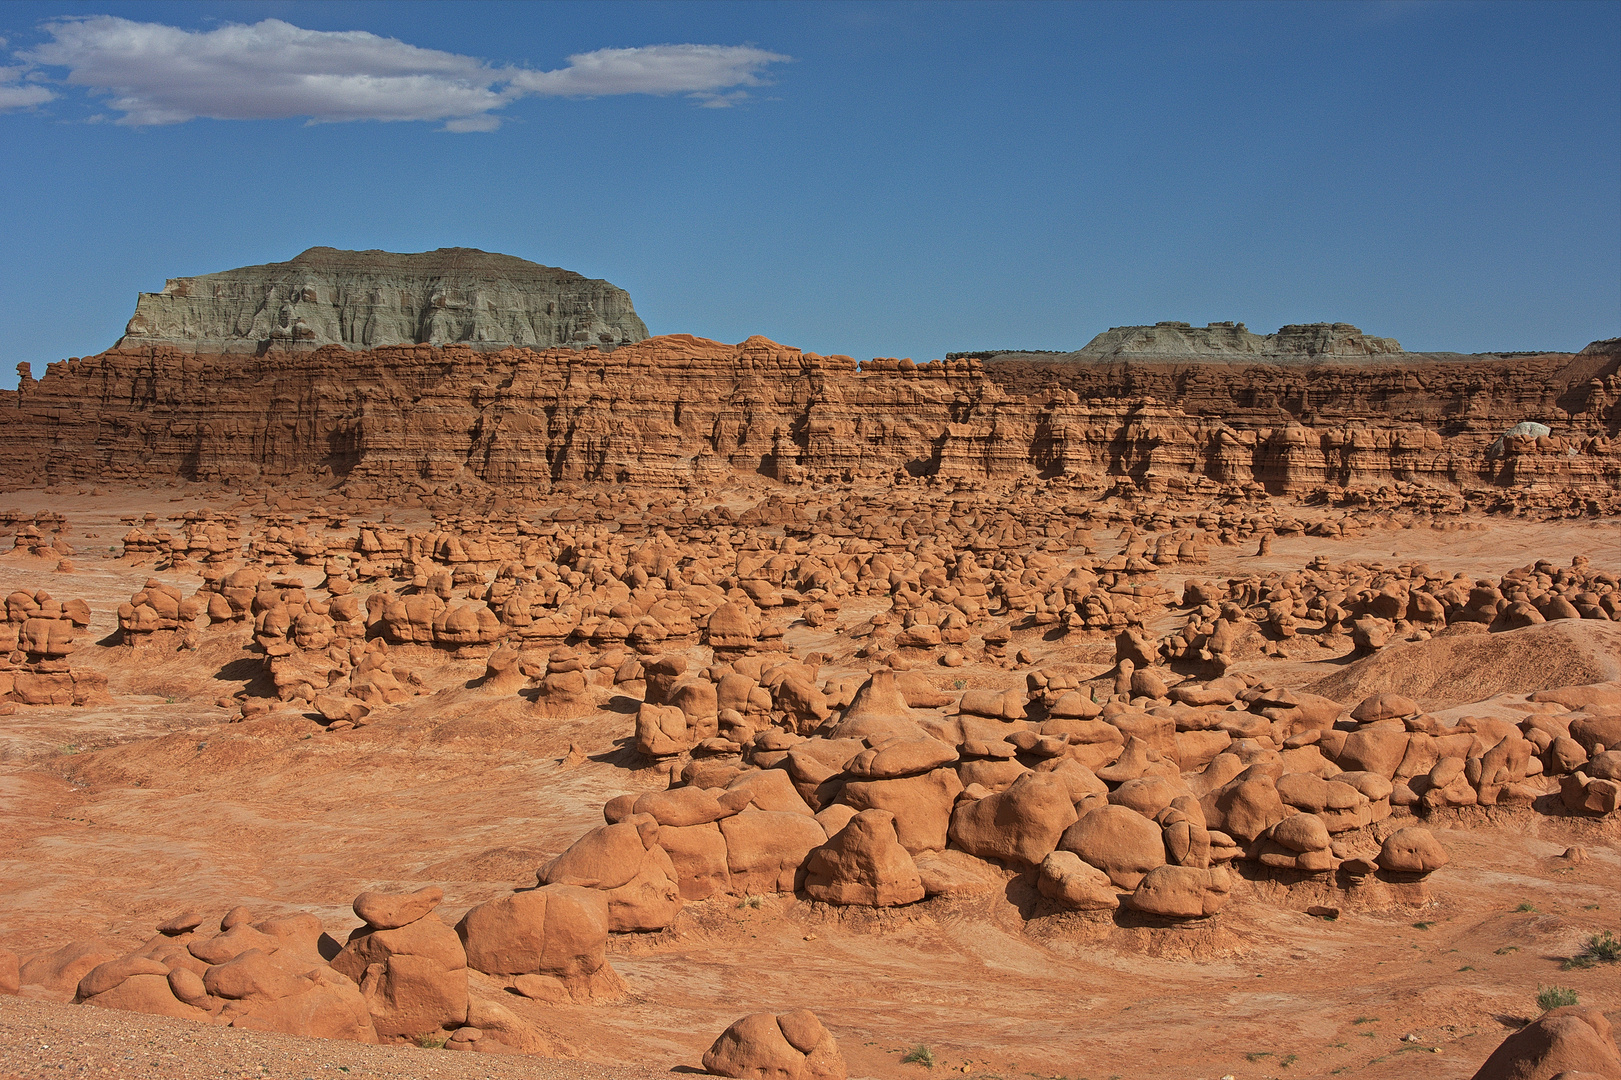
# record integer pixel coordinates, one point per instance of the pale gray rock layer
(364, 299)
(1233, 341)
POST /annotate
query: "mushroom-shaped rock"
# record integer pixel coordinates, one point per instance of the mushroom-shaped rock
(1412, 850)
(762, 1046)
(1570, 1041)
(864, 863)
(733, 625)
(413, 975)
(1245, 806)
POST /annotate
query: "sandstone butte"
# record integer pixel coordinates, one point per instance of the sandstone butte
(660, 701)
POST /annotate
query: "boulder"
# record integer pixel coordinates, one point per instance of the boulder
(1181, 892)
(1118, 841)
(1570, 1041)
(765, 849)
(1412, 850)
(763, 1046)
(1384, 707)
(921, 805)
(1021, 825)
(1072, 883)
(387, 911)
(559, 930)
(146, 993)
(864, 863)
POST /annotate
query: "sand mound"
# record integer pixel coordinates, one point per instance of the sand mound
(1446, 671)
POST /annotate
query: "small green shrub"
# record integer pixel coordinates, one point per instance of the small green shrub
(1526, 905)
(431, 1040)
(1553, 997)
(1602, 948)
(68, 748)
(919, 1055)
(1422, 925)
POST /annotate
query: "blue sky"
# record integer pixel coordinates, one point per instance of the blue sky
(874, 179)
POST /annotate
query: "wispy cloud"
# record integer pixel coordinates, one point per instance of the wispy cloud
(15, 94)
(697, 70)
(157, 74)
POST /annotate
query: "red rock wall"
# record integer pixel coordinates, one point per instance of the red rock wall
(675, 409)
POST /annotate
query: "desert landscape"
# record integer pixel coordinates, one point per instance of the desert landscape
(409, 650)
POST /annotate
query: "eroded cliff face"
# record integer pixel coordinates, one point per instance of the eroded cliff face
(368, 299)
(679, 410)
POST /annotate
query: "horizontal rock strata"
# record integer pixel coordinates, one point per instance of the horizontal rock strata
(680, 409)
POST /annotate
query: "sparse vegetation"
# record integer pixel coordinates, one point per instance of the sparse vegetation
(751, 901)
(1526, 905)
(431, 1040)
(1553, 997)
(1422, 925)
(1602, 948)
(919, 1055)
(1506, 949)
(68, 748)
(1257, 1055)
(1366, 1020)
(1287, 1060)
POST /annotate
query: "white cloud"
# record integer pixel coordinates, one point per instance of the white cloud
(157, 74)
(18, 96)
(652, 69)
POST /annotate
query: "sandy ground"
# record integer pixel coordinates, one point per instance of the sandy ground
(114, 816)
(47, 1039)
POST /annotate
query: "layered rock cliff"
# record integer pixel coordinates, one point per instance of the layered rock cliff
(367, 299)
(677, 410)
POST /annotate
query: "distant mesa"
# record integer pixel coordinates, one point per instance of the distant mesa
(1229, 339)
(1224, 343)
(365, 299)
